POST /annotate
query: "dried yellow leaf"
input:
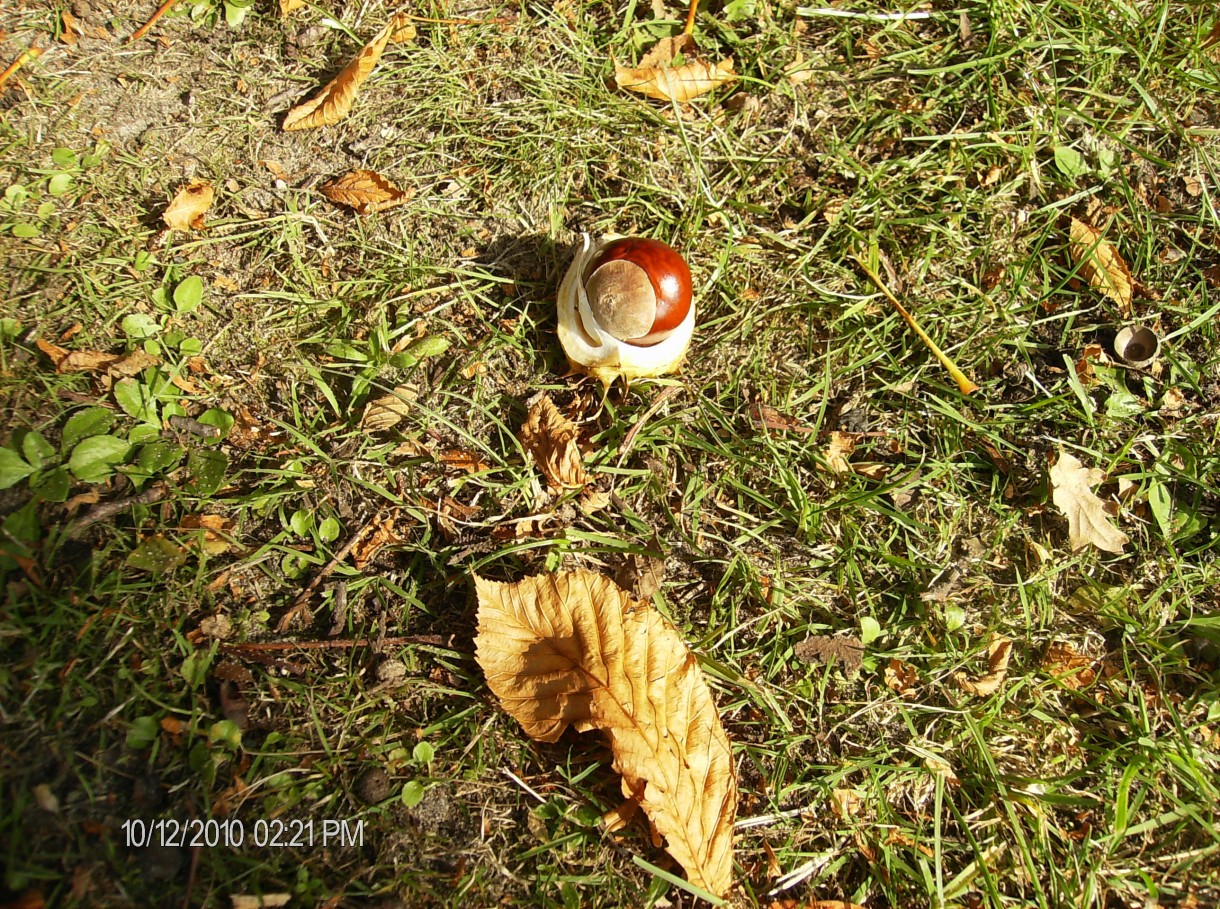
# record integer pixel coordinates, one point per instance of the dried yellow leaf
(656, 78)
(551, 438)
(573, 649)
(288, 7)
(998, 654)
(388, 411)
(1101, 265)
(335, 100)
(1088, 520)
(364, 190)
(187, 208)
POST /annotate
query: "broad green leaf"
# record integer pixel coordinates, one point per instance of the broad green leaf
(92, 421)
(329, 529)
(143, 732)
(431, 346)
(26, 231)
(9, 328)
(189, 294)
(37, 450)
(95, 458)
(13, 468)
(226, 732)
(1070, 162)
(136, 400)
(158, 456)
(195, 667)
(64, 158)
(156, 555)
(301, 522)
(423, 753)
(53, 486)
(60, 184)
(218, 418)
(870, 630)
(412, 793)
(207, 469)
(139, 325)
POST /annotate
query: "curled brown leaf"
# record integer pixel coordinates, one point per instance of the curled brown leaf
(552, 440)
(366, 191)
(335, 100)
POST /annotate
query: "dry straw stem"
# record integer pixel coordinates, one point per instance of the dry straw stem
(963, 381)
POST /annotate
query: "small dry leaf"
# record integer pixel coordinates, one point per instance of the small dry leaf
(998, 654)
(288, 7)
(656, 78)
(845, 802)
(1070, 668)
(335, 100)
(798, 72)
(1088, 520)
(114, 365)
(1101, 265)
(843, 650)
(188, 207)
(551, 438)
(364, 190)
(71, 32)
(382, 534)
(388, 411)
(262, 901)
(767, 417)
(901, 677)
(404, 31)
(842, 444)
(215, 539)
(573, 649)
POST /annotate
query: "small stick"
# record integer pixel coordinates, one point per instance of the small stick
(502, 20)
(330, 644)
(26, 56)
(963, 382)
(194, 427)
(154, 493)
(690, 18)
(143, 29)
(301, 603)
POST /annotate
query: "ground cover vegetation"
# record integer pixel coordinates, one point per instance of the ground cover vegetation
(964, 647)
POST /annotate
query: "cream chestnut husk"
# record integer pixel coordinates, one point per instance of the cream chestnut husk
(591, 349)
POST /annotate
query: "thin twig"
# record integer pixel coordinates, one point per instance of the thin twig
(143, 29)
(26, 56)
(434, 640)
(301, 604)
(154, 493)
(810, 12)
(690, 18)
(965, 386)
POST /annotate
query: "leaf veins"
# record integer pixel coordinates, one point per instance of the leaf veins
(571, 648)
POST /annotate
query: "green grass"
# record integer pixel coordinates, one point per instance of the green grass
(950, 157)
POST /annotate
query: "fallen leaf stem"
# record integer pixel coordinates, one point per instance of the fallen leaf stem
(152, 494)
(690, 18)
(143, 29)
(25, 57)
(964, 384)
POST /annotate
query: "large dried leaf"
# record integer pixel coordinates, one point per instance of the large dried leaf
(551, 438)
(114, 365)
(1101, 265)
(186, 210)
(334, 102)
(573, 649)
(655, 77)
(1088, 520)
(364, 190)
